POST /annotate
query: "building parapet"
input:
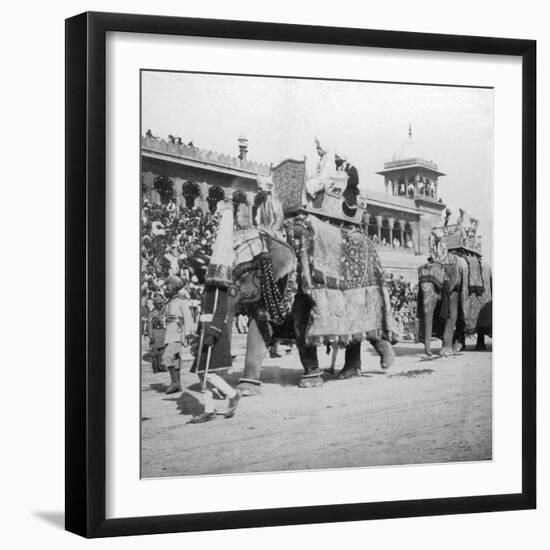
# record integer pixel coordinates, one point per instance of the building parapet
(409, 162)
(203, 155)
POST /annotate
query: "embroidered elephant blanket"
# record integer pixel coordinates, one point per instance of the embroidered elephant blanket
(342, 273)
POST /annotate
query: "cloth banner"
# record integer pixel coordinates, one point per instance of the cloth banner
(476, 283)
(478, 306)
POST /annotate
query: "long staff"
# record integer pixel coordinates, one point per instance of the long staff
(209, 352)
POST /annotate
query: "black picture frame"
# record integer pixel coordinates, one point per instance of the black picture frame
(86, 274)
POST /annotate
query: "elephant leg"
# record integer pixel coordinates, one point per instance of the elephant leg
(352, 363)
(312, 377)
(429, 301)
(480, 344)
(450, 325)
(459, 341)
(385, 351)
(255, 352)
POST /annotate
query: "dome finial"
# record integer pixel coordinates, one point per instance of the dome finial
(410, 131)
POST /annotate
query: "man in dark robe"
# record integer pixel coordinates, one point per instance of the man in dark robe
(349, 204)
(214, 350)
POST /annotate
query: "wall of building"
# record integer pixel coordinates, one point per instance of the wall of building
(179, 173)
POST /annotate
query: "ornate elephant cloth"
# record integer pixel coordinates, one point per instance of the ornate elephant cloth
(476, 281)
(253, 249)
(477, 304)
(453, 273)
(342, 273)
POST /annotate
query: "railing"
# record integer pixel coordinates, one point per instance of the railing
(203, 155)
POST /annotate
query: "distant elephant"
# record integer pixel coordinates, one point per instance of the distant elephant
(262, 284)
(454, 299)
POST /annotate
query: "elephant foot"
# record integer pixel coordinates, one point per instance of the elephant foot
(312, 379)
(385, 350)
(445, 352)
(457, 346)
(480, 347)
(248, 387)
(349, 372)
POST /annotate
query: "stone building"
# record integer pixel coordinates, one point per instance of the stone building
(211, 171)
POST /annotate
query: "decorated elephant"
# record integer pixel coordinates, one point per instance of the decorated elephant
(277, 285)
(454, 299)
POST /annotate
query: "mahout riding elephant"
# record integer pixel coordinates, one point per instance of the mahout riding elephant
(454, 299)
(267, 287)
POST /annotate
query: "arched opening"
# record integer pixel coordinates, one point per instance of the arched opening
(372, 229)
(409, 245)
(402, 186)
(190, 190)
(385, 238)
(411, 189)
(164, 186)
(239, 197)
(215, 195)
(396, 242)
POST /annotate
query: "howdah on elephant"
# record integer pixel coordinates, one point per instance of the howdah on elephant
(454, 299)
(277, 285)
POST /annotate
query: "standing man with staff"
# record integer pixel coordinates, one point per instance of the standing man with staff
(214, 348)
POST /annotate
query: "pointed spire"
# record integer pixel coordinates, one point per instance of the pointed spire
(410, 131)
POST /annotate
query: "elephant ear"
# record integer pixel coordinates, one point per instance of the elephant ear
(283, 257)
(433, 273)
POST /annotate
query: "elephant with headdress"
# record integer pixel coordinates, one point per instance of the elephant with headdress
(275, 283)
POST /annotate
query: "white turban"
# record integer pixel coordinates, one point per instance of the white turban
(265, 183)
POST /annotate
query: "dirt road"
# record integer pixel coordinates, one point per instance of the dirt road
(419, 411)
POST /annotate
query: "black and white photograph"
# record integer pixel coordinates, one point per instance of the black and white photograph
(316, 273)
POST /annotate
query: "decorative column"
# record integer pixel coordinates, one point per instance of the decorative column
(401, 224)
(391, 221)
(379, 228)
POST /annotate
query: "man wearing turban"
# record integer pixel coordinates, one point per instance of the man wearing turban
(179, 326)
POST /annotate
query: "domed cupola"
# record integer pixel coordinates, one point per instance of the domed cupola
(410, 175)
(408, 150)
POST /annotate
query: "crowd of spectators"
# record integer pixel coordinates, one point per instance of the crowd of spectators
(174, 240)
(403, 302)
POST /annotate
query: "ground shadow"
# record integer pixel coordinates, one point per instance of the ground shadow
(187, 403)
(159, 387)
(270, 374)
(408, 351)
(57, 519)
